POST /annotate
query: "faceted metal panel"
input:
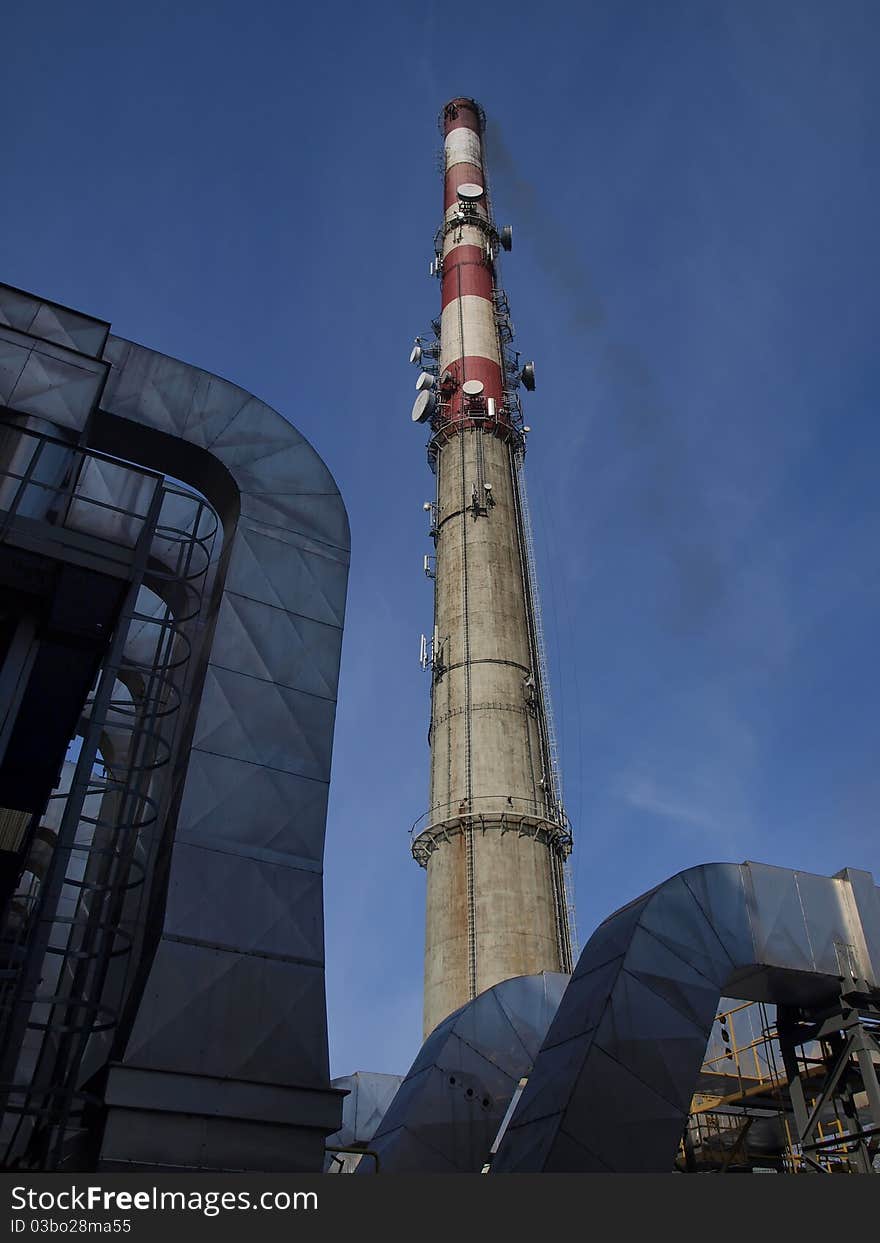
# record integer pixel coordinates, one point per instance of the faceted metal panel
(586, 991)
(51, 322)
(527, 1019)
(255, 809)
(310, 513)
(150, 388)
(64, 327)
(47, 380)
(278, 910)
(281, 479)
(369, 1095)
(778, 918)
(677, 920)
(614, 1079)
(668, 976)
(649, 1035)
(231, 1014)
(288, 571)
(487, 1014)
(568, 1154)
(611, 938)
(454, 1130)
(560, 1067)
(449, 1107)
(719, 891)
(405, 1153)
(864, 906)
(826, 922)
(277, 646)
(251, 719)
(14, 353)
(17, 308)
(632, 1120)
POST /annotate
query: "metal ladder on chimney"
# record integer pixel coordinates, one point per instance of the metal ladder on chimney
(555, 773)
(468, 828)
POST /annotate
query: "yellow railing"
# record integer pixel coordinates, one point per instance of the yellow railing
(748, 1067)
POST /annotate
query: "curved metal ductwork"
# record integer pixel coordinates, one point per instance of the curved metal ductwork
(612, 1085)
(219, 1054)
(452, 1102)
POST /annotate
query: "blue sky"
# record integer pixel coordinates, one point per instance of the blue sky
(694, 194)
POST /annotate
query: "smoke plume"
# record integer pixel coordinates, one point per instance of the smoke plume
(647, 443)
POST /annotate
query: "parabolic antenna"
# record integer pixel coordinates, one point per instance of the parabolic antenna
(425, 381)
(472, 388)
(416, 356)
(470, 191)
(423, 406)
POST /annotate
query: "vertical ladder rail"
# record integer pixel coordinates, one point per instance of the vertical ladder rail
(555, 773)
(469, 831)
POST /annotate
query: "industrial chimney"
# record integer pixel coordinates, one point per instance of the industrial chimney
(495, 838)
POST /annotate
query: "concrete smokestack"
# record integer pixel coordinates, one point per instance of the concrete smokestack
(495, 837)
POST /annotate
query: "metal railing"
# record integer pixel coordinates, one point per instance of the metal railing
(751, 1084)
(506, 423)
(47, 479)
(78, 915)
(503, 812)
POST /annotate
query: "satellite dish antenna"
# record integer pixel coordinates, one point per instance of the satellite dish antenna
(505, 237)
(423, 406)
(416, 356)
(472, 388)
(527, 375)
(425, 381)
(469, 191)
